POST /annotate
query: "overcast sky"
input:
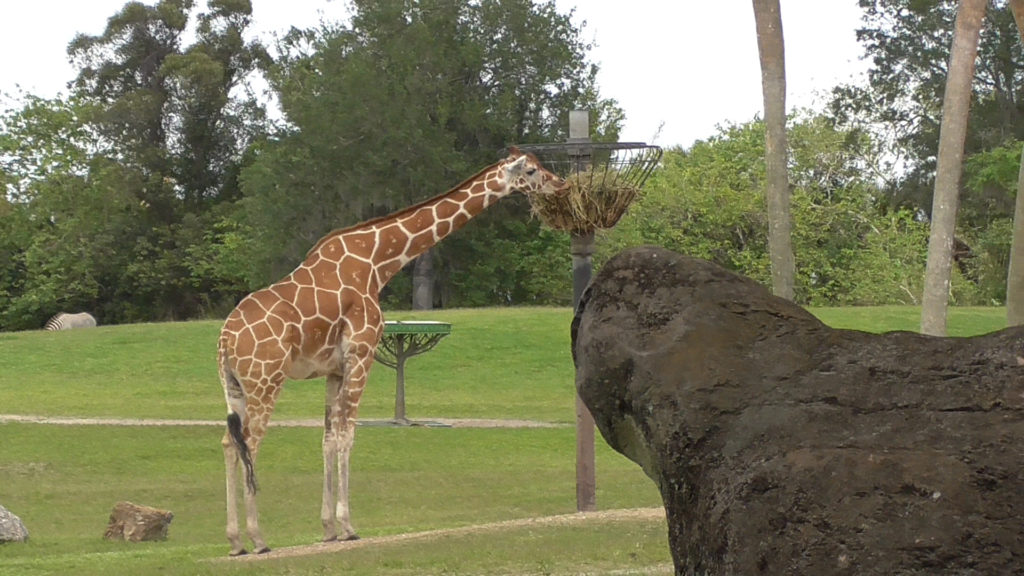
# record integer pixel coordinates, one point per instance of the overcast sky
(681, 65)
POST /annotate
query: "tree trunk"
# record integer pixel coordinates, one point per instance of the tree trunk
(771, 49)
(423, 281)
(1015, 275)
(952, 133)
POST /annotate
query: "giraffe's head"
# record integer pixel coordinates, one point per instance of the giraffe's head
(524, 174)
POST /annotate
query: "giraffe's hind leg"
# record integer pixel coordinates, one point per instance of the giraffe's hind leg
(232, 465)
(231, 444)
(246, 428)
(254, 431)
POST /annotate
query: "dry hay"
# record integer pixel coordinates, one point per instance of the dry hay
(595, 199)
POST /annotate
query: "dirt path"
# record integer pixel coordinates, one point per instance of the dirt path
(303, 423)
(579, 518)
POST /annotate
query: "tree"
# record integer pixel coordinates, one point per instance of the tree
(178, 117)
(1015, 274)
(402, 103)
(117, 194)
(120, 71)
(63, 215)
(771, 49)
(214, 115)
(170, 111)
(949, 165)
(908, 43)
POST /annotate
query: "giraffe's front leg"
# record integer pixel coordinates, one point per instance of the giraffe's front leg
(342, 511)
(344, 411)
(330, 451)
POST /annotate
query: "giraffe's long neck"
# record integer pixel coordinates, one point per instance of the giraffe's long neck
(389, 243)
(435, 219)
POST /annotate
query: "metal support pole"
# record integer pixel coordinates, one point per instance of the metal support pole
(586, 473)
(582, 248)
(400, 381)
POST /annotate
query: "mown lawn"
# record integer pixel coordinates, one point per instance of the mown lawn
(64, 480)
(497, 363)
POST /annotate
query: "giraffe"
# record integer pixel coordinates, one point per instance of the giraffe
(324, 319)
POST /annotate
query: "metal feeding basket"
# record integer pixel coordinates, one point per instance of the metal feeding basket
(604, 179)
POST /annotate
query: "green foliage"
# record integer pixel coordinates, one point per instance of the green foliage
(114, 190)
(708, 201)
(507, 260)
(154, 190)
(889, 266)
(126, 200)
(985, 224)
(985, 266)
(908, 44)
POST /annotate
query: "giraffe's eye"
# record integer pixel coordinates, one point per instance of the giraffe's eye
(531, 171)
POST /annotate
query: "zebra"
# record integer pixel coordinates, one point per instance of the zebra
(64, 321)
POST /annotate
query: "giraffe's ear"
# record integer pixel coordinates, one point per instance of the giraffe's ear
(513, 151)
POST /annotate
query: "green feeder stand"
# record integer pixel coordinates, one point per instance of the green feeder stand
(403, 340)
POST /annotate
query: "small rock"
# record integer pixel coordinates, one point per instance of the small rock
(11, 527)
(138, 523)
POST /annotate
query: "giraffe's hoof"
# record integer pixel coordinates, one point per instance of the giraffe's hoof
(263, 550)
(351, 537)
(235, 553)
(330, 539)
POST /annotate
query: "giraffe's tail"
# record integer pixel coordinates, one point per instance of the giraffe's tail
(235, 397)
(235, 431)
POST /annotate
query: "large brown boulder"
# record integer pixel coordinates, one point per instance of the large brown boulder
(783, 446)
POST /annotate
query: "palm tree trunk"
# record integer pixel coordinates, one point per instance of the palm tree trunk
(952, 133)
(772, 53)
(1015, 275)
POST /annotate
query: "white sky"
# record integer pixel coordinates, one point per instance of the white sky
(685, 64)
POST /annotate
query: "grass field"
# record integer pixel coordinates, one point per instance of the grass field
(498, 363)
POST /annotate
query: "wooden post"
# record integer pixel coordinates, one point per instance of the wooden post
(582, 248)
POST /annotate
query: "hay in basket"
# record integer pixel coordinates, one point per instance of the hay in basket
(595, 200)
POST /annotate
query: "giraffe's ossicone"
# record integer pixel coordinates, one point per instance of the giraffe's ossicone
(324, 320)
